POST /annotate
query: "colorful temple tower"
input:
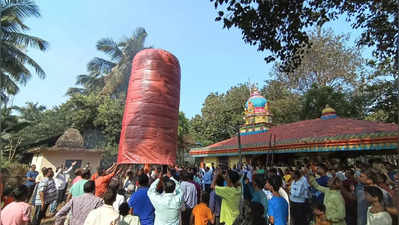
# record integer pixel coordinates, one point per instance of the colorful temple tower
(257, 117)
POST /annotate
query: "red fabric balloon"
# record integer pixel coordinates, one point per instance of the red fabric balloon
(150, 120)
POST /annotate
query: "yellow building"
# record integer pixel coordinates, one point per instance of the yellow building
(68, 148)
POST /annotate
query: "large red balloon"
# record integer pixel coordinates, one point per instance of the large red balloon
(150, 120)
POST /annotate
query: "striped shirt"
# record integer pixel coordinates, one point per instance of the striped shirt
(47, 186)
(79, 207)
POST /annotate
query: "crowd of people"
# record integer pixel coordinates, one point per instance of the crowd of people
(309, 194)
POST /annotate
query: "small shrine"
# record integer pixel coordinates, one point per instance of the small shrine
(68, 148)
(257, 118)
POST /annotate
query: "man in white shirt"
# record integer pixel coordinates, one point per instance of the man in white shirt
(61, 181)
(105, 214)
(189, 197)
(167, 204)
(299, 194)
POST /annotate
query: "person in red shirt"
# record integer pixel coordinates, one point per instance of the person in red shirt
(7, 197)
(103, 180)
(100, 170)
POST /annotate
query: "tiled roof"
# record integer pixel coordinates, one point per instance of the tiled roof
(308, 131)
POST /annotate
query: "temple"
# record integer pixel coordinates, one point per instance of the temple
(326, 137)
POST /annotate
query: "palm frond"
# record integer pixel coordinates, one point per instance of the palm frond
(100, 65)
(82, 79)
(110, 47)
(25, 40)
(12, 23)
(14, 67)
(117, 80)
(21, 8)
(23, 58)
(74, 90)
(8, 85)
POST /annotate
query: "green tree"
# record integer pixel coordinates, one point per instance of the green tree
(15, 63)
(281, 26)
(10, 140)
(328, 62)
(197, 127)
(221, 115)
(109, 118)
(316, 99)
(184, 139)
(31, 111)
(382, 97)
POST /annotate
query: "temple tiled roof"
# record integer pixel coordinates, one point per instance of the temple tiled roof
(311, 135)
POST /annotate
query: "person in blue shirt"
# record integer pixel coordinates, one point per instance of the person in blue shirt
(277, 206)
(256, 192)
(207, 179)
(141, 204)
(31, 179)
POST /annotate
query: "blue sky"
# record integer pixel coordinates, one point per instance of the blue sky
(212, 59)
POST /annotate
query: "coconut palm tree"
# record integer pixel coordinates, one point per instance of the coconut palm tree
(111, 76)
(31, 111)
(15, 64)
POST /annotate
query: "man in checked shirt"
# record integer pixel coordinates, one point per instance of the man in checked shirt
(80, 206)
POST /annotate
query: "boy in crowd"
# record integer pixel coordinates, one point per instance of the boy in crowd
(202, 214)
(319, 212)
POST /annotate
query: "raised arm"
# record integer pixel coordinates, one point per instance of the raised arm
(58, 172)
(70, 168)
(178, 191)
(108, 177)
(152, 191)
(313, 182)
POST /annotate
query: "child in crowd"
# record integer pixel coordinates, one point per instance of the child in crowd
(125, 218)
(319, 212)
(202, 214)
(376, 215)
(7, 197)
(277, 205)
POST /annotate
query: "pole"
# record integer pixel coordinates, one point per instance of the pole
(239, 146)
